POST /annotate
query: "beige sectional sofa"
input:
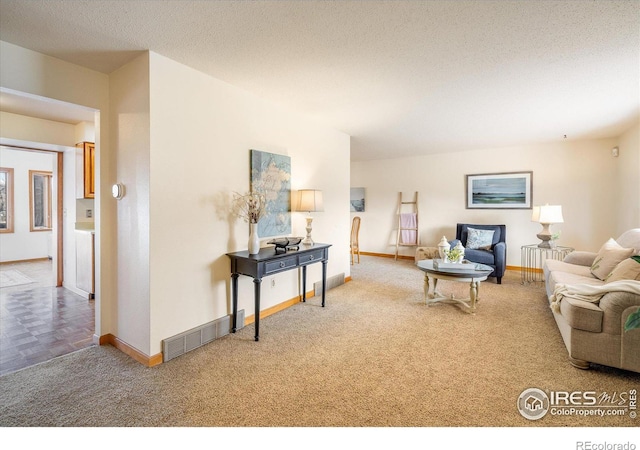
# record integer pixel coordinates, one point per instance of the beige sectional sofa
(591, 295)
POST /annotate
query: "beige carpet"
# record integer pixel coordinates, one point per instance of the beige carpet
(376, 356)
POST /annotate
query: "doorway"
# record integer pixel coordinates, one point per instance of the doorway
(46, 316)
(36, 184)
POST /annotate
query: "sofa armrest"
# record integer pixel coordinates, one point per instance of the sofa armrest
(616, 307)
(500, 253)
(582, 315)
(581, 258)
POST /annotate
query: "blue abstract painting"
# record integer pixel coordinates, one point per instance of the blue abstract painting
(271, 176)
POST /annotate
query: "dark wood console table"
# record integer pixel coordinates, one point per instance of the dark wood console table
(267, 262)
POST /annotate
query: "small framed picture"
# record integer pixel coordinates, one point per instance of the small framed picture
(357, 199)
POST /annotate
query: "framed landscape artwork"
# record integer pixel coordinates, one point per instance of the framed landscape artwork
(499, 190)
(357, 200)
(271, 175)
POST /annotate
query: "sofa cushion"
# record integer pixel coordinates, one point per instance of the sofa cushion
(553, 265)
(479, 239)
(572, 278)
(558, 277)
(564, 273)
(629, 269)
(609, 256)
(581, 258)
(464, 233)
(630, 239)
(582, 315)
(480, 256)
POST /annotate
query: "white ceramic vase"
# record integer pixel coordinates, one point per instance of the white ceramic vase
(442, 246)
(254, 240)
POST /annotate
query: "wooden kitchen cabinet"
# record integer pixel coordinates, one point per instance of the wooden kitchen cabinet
(85, 168)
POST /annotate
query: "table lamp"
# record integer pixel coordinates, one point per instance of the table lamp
(309, 200)
(546, 215)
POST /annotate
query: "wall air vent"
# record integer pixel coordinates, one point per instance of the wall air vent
(189, 340)
(332, 282)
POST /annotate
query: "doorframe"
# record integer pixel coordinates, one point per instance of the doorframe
(59, 163)
(60, 212)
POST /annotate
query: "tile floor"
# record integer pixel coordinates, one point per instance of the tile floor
(39, 321)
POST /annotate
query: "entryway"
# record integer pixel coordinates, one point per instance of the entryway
(40, 319)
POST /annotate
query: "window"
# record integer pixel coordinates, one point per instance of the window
(40, 200)
(6, 200)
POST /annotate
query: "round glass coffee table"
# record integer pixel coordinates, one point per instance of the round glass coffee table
(468, 272)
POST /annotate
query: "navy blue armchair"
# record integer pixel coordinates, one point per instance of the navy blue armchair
(495, 257)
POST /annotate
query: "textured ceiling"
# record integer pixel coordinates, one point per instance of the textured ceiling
(400, 77)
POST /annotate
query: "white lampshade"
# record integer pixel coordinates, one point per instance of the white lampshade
(310, 200)
(547, 214)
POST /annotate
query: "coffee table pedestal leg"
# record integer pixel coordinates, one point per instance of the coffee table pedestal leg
(467, 304)
(473, 294)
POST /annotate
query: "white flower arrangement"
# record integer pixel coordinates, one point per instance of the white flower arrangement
(454, 254)
(250, 207)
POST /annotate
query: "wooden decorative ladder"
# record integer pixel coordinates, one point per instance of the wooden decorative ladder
(405, 209)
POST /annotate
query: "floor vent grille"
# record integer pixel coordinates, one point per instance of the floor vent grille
(189, 340)
(240, 321)
(332, 282)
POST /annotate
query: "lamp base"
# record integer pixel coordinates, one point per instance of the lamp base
(545, 237)
(308, 241)
(547, 244)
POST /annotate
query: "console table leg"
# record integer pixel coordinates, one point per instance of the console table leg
(268, 263)
(234, 300)
(256, 287)
(324, 280)
(304, 283)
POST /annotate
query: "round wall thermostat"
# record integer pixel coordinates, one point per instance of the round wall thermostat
(117, 190)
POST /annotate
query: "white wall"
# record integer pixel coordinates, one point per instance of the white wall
(24, 244)
(176, 148)
(24, 128)
(201, 132)
(85, 132)
(628, 181)
(182, 147)
(129, 87)
(582, 176)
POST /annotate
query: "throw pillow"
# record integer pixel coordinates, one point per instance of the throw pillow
(479, 239)
(629, 269)
(610, 255)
